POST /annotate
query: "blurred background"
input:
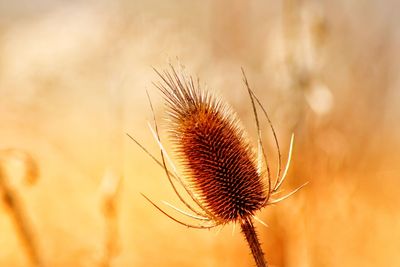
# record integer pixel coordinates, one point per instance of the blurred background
(73, 81)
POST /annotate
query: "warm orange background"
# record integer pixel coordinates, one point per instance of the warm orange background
(73, 77)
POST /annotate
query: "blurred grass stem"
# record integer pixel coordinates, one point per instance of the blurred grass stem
(15, 206)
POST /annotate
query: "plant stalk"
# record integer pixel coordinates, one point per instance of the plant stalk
(250, 233)
(21, 222)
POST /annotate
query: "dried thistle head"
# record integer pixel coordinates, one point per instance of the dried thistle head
(223, 175)
(212, 146)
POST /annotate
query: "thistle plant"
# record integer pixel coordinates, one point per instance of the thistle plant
(223, 175)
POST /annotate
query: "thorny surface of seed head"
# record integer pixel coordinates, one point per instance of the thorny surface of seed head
(212, 147)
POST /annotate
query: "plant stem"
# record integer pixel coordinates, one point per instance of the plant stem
(252, 239)
(21, 222)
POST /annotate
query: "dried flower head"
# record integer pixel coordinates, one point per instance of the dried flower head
(212, 147)
(222, 173)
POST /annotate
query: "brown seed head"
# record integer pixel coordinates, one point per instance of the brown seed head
(211, 145)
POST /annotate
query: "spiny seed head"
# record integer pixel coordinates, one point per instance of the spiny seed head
(211, 145)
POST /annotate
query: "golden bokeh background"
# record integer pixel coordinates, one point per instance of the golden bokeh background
(73, 80)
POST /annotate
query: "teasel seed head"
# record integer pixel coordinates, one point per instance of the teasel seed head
(211, 145)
